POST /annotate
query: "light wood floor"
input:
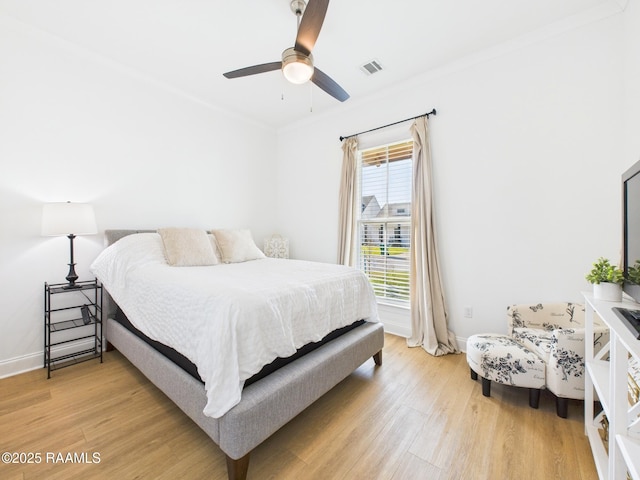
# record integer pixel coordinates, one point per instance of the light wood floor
(416, 417)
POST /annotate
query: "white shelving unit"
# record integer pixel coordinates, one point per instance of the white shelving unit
(606, 381)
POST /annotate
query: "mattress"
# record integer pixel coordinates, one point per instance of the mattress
(189, 367)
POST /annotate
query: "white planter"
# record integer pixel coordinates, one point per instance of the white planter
(611, 292)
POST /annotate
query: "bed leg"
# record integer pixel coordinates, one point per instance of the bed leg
(110, 347)
(237, 469)
(378, 358)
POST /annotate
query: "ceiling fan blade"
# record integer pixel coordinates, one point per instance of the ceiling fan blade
(255, 69)
(327, 84)
(310, 25)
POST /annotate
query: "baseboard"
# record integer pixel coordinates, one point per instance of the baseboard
(33, 361)
(396, 320)
(25, 363)
(396, 329)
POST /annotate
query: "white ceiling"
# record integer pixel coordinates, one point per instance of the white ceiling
(188, 44)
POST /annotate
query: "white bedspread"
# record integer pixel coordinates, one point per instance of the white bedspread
(231, 319)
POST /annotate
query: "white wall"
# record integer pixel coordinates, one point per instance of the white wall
(74, 126)
(527, 154)
(632, 81)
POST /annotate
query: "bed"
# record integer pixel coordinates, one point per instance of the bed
(266, 403)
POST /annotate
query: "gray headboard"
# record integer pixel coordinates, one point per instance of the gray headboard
(112, 236)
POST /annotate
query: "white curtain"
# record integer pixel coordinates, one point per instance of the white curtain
(347, 249)
(429, 328)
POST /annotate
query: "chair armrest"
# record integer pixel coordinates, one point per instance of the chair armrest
(569, 340)
(572, 339)
(565, 372)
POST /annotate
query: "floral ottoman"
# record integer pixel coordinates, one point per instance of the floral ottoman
(501, 359)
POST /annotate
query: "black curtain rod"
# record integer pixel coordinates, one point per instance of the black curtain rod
(432, 112)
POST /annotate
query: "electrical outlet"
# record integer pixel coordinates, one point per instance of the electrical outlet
(468, 312)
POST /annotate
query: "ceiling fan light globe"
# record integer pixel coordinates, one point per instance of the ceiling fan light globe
(296, 67)
(297, 72)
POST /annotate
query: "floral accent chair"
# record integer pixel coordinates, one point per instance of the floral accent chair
(555, 332)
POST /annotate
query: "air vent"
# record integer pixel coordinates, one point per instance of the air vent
(371, 67)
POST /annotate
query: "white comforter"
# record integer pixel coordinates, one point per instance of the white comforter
(231, 319)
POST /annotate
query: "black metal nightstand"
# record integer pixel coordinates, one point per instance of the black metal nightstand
(80, 309)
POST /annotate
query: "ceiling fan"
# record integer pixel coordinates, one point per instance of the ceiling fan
(297, 61)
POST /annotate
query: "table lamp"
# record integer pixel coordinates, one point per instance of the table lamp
(69, 219)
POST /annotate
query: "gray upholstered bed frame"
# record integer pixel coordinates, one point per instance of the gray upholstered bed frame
(267, 404)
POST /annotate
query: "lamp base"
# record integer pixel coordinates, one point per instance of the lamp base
(71, 276)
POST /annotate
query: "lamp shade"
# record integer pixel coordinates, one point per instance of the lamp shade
(67, 218)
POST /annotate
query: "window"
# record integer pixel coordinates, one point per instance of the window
(384, 225)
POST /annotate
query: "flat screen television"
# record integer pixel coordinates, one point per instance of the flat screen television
(631, 246)
(631, 229)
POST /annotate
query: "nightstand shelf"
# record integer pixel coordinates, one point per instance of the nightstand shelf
(73, 327)
(74, 323)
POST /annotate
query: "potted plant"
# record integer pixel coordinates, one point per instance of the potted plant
(607, 280)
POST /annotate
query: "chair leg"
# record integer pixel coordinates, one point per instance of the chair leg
(562, 407)
(486, 387)
(474, 375)
(534, 397)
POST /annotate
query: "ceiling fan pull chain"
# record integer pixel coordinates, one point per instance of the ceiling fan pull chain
(282, 85)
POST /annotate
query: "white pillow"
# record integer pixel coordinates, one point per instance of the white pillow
(237, 246)
(187, 247)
